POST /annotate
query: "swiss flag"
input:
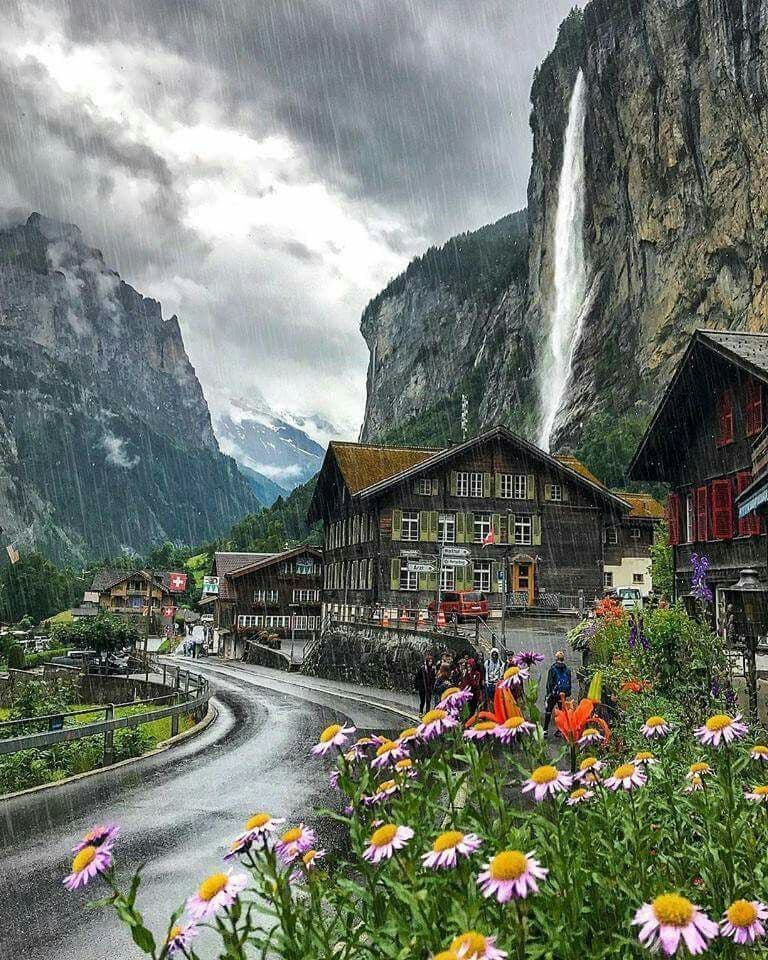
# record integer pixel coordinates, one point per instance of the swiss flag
(177, 582)
(169, 613)
(489, 538)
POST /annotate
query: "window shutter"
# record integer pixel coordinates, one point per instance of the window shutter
(547, 491)
(702, 515)
(565, 493)
(430, 581)
(495, 582)
(397, 524)
(536, 529)
(497, 485)
(461, 534)
(433, 526)
(464, 577)
(673, 519)
(511, 525)
(423, 524)
(454, 483)
(416, 486)
(487, 486)
(531, 487)
(469, 527)
(754, 407)
(750, 525)
(435, 488)
(503, 528)
(722, 509)
(725, 416)
(394, 573)
(496, 526)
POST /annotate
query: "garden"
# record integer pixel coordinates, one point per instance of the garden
(642, 827)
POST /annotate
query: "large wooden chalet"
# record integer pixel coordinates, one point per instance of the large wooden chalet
(700, 441)
(383, 508)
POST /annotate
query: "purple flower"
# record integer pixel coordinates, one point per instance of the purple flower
(699, 587)
(527, 658)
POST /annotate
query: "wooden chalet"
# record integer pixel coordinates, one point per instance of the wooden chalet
(388, 510)
(701, 442)
(128, 592)
(628, 544)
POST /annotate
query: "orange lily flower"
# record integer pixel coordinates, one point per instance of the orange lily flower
(572, 721)
(504, 707)
(636, 686)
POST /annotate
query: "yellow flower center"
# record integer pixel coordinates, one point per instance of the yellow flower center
(258, 820)
(700, 767)
(544, 774)
(508, 865)
(578, 794)
(308, 857)
(719, 722)
(591, 732)
(655, 721)
(431, 715)
(388, 785)
(450, 691)
(624, 771)
(213, 885)
(385, 747)
(643, 755)
(672, 909)
(83, 859)
(408, 732)
(741, 913)
(512, 723)
(405, 764)
(758, 748)
(696, 781)
(471, 944)
(175, 932)
(484, 725)
(587, 762)
(330, 732)
(511, 672)
(445, 955)
(761, 791)
(447, 840)
(384, 835)
(292, 835)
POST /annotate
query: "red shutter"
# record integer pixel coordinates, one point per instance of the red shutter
(673, 518)
(722, 509)
(750, 525)
(702, 514)
(725, 416)
(754, 407)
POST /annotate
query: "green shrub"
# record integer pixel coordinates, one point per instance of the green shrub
(16, 657)
(104, 633)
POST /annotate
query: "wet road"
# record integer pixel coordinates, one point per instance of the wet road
(177, 811)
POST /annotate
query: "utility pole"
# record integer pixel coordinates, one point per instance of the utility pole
(146, 627)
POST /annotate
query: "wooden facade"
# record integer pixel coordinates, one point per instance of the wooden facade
(130, 592)
(382, 513)
(628, 544)
(700, 441)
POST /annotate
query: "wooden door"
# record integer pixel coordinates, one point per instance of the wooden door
(522, 580)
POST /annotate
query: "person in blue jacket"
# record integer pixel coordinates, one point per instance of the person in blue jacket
(558, 684)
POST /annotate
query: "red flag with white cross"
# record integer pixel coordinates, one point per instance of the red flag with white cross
(177, 582)
(169, 613)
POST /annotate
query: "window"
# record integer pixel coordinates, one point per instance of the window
(513, 486)
(353, 581)
(481, 577)
(612, 535)
(749, 525)
(306, 568)
(448, 578)
(446, 527)
(426, 487)
(722, 509)
(370, 574)
(482, 526)
(521, 486)
(305, 596)
(410, 525)
(556, 492)
(523, 530)
(725, 417)
(690, 519)
(673, 518)
(607, 580)
(638, 578)
(469, 484)
(635, 533)
(753, 413)
(265, 596)
(408, 579)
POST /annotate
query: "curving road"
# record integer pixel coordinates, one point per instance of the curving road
(177, 811)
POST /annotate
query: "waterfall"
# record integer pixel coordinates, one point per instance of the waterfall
(570, 273)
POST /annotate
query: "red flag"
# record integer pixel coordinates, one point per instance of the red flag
(169, 613)
(489, 538)
(177, 582)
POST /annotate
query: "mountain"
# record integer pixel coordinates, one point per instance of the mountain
(106, 441)
(276, 446)
(674, 233)
(266, 491)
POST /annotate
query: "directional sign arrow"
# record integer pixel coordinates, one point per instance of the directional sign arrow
(455, 552)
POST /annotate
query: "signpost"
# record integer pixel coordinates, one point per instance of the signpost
(455, 562)
(417, 566)
(211, 586)
(455, 552)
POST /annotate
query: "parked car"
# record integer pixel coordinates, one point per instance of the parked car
(461, 605)
(629, 597)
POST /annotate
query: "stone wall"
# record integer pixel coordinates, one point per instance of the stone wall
(265, 656)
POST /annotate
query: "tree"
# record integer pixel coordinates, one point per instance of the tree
(35, 587)
(662, 572)
(103, 634)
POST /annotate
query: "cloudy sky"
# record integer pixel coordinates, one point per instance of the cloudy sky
(263, 167)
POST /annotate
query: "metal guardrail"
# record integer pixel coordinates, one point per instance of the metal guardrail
(190, 692)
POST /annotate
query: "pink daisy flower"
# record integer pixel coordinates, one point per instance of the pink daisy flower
(386, 789)
(513, 677)
(435, 722)
(218, 891)
(481, 730)
(385, 840)
(655, 727)
(388, 752)
(512, 728)
(743, 921)
(474, 946)
(408, 735)
(404, 768)
(528, 658)
(241, 845)
(260, 826)
(721, 729)
(579, 795)
(591, 735)
(759, 753)
(699, 769)
(588, 767)
(98, 836)
(759, 794)
(295, 841)
(447, 848)
(671, 918)
(626, 777)
(454, 699)
(357, 750)
(307, 862)
(545, 781)
(695, 783)
(511, 875)
(644, 758)
(88, 863)
(334, 736)
(180, 938)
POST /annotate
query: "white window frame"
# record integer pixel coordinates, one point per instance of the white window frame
(424, 487)
(612, 536)
(446, 528)
(638, 578)
(265, 596)
(448, 578)
(635, 533)
(354, 574)
(608, 579)
(408, 579)
(507, 486)
(481, 576)
(483, 525)
(462, 484)
(520, 486)
(303, 595)
(476, 485)
(523, 529)
(690, 519)
(411, 518)
(556, 492)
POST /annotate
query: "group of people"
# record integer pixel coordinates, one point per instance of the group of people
(480, 676)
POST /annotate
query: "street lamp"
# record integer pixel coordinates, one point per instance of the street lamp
(747, 621)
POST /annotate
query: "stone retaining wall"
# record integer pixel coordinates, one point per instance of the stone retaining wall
(265, 656)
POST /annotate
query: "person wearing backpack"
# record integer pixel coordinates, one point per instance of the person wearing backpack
(558, 685)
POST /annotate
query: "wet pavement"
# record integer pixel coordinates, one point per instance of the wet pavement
(177, 811)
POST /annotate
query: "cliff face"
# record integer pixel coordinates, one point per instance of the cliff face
(105, 436)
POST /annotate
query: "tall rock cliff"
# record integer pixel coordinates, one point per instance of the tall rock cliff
(105, 436)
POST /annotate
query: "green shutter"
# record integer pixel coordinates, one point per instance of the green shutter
(536, 529)
(487, 485)
(394, 573)
(397, 524)
(469, 528)
(504, 528)
(453, 483)
(496, 526)
(433, 526)
(565, 493)
(464, 577)
(428, 581)
(423, 524)
(547, 491)
(531, 487)
(495, 582)
(435, 488)
(461, 534)
(497, 485)
(511, 522)
(416, 486)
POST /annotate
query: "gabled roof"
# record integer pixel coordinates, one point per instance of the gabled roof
(271, 559)
(364, 464)
(579, 467)
(110, 577)
(644, 506)
(224, 562)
